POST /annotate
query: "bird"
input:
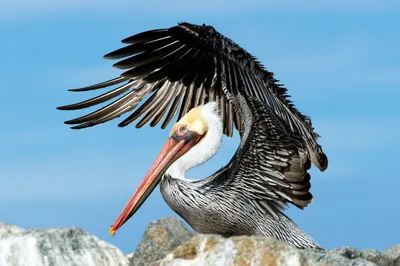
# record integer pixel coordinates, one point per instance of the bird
(213, 87)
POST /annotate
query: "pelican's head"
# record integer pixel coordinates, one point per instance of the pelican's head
(193, 122)
(200, 126)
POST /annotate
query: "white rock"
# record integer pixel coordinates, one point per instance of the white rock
(54, 247)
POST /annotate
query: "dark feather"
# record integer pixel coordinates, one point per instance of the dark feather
(194, 56)
(271, 163)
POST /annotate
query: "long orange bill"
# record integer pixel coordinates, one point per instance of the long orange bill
(171, 151)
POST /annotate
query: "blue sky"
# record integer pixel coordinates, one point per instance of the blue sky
(340, 61)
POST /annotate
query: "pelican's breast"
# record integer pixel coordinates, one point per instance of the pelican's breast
(204, 212)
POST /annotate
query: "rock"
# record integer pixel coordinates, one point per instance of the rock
(258, 251)
(168, 242)
(242, 250)
(50, 247)
(160, 238)
(394, 253)
(348, 252)
(377, 257)
(7, 230)
(339, 257)
(354, 256)
(252, 251)
(130, 255)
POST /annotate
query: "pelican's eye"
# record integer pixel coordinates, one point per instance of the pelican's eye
(182, 130)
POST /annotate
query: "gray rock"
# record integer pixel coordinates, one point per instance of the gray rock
(377, 257)
(393, 252)
(169, 242)
(339, 257)
(348, 252)
(257, 251)
(252, 251)
(130, 255)
(351, 256)
(48, 247)
(160, 238)
(7, 230)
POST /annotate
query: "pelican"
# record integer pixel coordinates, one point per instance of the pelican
(216, 86)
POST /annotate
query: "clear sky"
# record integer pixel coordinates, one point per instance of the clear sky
(339, 60)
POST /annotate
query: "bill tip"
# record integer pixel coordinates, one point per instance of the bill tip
(111, 231)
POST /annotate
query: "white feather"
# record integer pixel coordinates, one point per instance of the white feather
(207, 146)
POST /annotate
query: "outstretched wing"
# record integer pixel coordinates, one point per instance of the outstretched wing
(180, 68)
(270, 166)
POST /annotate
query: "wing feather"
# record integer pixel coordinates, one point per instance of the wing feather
(270, 166)
(191, 59)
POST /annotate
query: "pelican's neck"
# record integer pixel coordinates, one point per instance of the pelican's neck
(205, 149)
